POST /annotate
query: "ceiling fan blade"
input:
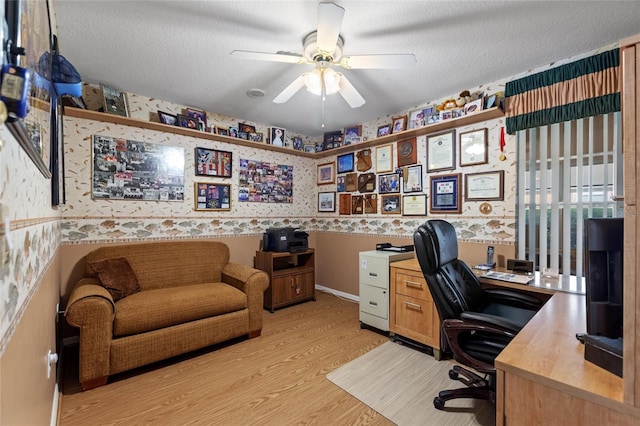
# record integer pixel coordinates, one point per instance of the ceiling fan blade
(349, 93)
(272, 57)
(378, 61)
(290, 90)
(329, 23)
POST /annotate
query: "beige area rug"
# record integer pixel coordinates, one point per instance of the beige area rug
(400, 383)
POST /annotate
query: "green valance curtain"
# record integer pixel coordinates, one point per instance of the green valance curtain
(584, 88)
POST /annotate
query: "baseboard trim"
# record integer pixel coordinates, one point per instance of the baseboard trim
(338, 293)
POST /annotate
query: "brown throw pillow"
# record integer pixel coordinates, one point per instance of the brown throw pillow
(117, 277)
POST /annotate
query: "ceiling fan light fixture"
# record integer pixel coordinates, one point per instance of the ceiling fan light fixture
(313, 81)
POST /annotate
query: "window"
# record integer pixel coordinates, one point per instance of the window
(566, 172)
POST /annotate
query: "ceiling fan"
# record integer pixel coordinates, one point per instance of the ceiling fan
(323, 48)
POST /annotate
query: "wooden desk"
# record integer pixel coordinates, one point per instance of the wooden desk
(540, 284)
(543, 378)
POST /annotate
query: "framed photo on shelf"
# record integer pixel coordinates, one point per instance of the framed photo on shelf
(326, 201)
(166, 118)
(243, 135)
(332, 140)
(446, 196)
(384, 130)
(188, 122)
(485, 186)
(211, 162)
(473, 107)
(326, 173)
(352, 135)
(414, 205)
(412, 178)
(233, 132)
(417, 119)
(345, 163)
(114, 101)
(309, 147)
(384, 158)
(391, 204)
(407, 152)
(441, 151)
(222, 131)
(256, 137)
(277, 136)
(473, 148)
(212, 196)
(297, 143)
(389, 183)
(399, 124)
(243, 127)
(200, 116)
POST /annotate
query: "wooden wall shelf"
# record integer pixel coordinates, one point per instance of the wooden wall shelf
(488, 114)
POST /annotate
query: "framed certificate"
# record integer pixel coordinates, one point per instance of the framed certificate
(473, 147)
(414, 205)
(486, 186)
(384, 159)
(412, 178)
(441, 151)
(445, 194)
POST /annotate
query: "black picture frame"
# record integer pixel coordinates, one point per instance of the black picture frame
(446, 194)
(187, 122)
(332, 140)
(200, 117)
(213, 162)
(389, 183)
(327, 202)
(212, 196)
(346, 162)
(166, 118)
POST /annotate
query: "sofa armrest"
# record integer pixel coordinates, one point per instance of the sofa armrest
(91, 308)
(253, 282)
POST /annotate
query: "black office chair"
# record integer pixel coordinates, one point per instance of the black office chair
(476, 323)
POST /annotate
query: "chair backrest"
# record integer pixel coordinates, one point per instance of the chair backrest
(454, 287)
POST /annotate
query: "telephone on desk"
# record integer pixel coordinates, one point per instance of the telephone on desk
(489, 264)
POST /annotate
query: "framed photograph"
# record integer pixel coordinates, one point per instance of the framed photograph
(166, 118)
(255, 137)
(412, 178)
(473, 147)
(352, 135)
(407, 152)
(389, 183)
(446, 196)
(414, 205)
(114, 101)
(332, 140)
(222, 131)
(200, 116)
(486, 186)
(309, 147)
(417, 118)
(297, 143)
(391, 204)
(212, 196)
(370, 203)
(211, 162)
(341, 183)
(326, 173)
(384, 130)
(441, 151)
(490, 101)
(344, 204)
(384, 158)
(326, 201)
(473, 107)
(233, 132)
(243, 135)
(247, 128)
(399, 124)
(277, 136)
(346, 163)
(188, 122)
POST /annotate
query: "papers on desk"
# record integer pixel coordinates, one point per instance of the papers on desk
(512, 278)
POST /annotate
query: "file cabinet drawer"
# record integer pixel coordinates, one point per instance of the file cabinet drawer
(374, 272)
(374, 301)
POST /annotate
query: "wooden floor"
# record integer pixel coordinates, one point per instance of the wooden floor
(278, 378)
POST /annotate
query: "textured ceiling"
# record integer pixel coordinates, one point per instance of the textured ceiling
(178, 51)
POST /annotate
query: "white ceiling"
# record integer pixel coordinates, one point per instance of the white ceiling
(178, 51)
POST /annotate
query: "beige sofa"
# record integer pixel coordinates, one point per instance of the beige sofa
(187, 296)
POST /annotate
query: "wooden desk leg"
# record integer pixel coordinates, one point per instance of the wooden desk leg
(500, 421)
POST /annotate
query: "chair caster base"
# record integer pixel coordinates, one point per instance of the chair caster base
(438, 403)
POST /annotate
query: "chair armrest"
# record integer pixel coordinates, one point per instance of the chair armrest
(453, 328)
(91, 308)
(253, 282)
(514, 298)
(492, 321)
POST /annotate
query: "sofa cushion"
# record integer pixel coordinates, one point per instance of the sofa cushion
(117, 277)
(158, 308)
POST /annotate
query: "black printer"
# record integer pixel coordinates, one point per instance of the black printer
(285, 240)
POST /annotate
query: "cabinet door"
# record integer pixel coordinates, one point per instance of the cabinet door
(291, 287)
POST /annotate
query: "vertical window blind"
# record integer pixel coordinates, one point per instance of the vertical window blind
(567, 172)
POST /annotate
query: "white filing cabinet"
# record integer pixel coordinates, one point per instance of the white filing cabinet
(374, 286)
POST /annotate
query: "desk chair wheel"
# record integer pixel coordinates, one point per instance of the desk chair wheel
(453, 375)
(438, 403)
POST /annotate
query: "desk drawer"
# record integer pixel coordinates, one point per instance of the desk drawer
(415, 319)
(412, 285)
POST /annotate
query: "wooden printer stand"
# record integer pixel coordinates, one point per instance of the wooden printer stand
(292, 277)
